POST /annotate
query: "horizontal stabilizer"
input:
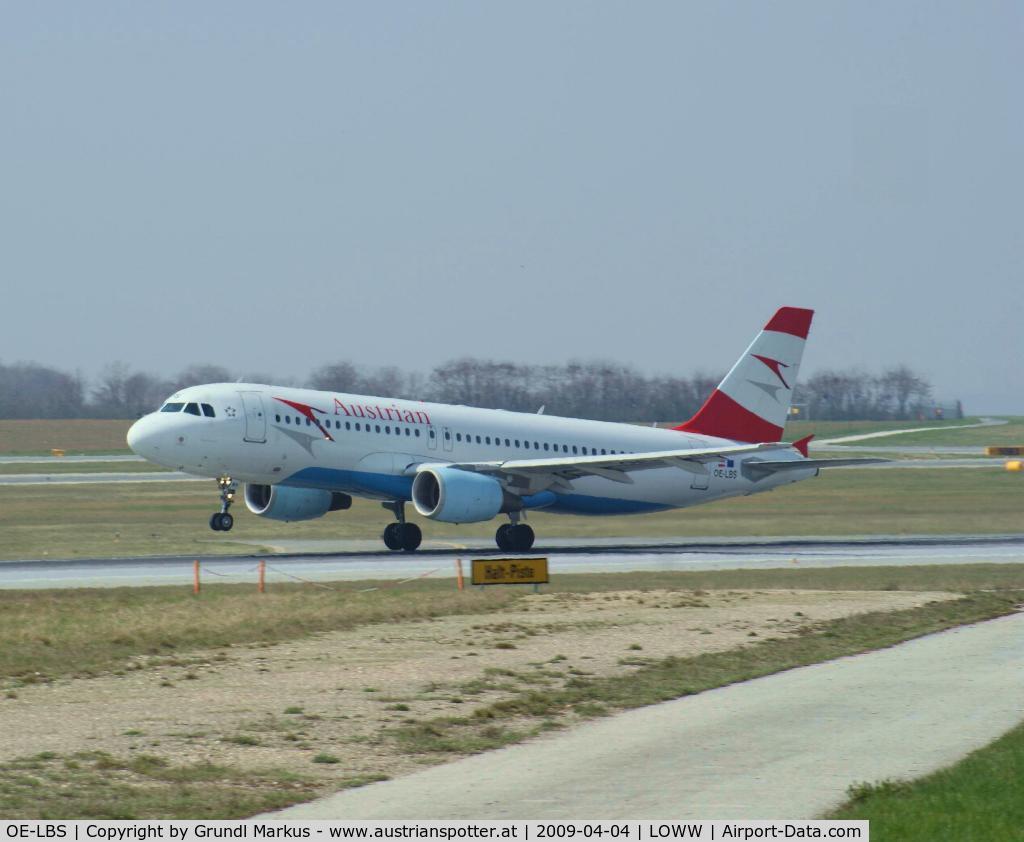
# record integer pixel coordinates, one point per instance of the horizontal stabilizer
(804, 464)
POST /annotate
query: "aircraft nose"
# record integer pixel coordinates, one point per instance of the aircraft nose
(142, 438)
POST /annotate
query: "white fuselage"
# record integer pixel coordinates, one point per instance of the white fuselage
(371, 447)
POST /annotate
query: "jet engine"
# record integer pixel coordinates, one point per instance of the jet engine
(278, 502)
(456, 496)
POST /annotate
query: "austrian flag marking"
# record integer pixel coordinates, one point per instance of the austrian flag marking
(308, 412)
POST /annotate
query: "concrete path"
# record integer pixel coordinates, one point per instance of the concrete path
(786, 746)
(97, 477)
(884, 434)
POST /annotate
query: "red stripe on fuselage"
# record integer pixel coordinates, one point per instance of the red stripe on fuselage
(795, 321)
(721, 416)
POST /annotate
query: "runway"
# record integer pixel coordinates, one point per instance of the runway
(786, 746)
(362, 561)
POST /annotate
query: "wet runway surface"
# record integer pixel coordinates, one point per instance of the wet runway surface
(565, 557)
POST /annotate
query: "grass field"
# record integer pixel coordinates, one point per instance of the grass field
(75, 436)
(171, 518)
(58, 634)
(979, 799)
(835, 429)
(1011, 433)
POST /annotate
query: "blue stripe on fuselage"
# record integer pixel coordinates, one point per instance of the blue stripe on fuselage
(393, 487)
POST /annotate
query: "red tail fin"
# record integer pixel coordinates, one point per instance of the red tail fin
(752, 403)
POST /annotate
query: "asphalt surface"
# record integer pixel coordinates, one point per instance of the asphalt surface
(363, 560)
(782, 747)
(99, 477)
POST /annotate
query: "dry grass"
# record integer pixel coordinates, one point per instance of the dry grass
(81, 632)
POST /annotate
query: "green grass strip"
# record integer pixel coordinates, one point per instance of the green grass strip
(980, 799)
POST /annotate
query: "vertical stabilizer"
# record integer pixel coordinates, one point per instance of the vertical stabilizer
(752, 403)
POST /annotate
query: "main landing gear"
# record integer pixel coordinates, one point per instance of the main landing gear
(401, 535)
(222, 521)
(514, 537)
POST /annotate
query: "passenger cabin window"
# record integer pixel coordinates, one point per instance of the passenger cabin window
(192, 408)
(208, 410)
(172, 407)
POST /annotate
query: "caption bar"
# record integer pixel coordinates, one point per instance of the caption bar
(633, 830)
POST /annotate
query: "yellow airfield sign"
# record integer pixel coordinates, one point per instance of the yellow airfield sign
(510, 571)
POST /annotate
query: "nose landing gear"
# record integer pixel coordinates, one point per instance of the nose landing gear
(401, 535)
(222, 521)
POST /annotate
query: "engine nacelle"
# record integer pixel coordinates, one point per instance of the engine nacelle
(278, 502)
(455, 496)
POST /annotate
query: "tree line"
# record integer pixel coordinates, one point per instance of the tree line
(596, 389)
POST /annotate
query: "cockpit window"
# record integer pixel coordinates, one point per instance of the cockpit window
(208, 411)
(171, 407)
(192, 408)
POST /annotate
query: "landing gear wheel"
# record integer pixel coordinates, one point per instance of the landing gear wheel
(503, 537)
(393, 536)
(412, 536)
(221, 521)
(522, 536)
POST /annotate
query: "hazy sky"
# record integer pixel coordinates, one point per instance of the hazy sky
(274, 186)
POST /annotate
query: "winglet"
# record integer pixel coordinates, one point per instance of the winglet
(803, 444)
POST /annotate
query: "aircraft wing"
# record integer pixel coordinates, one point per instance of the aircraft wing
(530, 476)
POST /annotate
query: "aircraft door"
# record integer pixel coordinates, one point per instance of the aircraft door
(255, 419)
(431, 438)
(446, 438)
(700, 482)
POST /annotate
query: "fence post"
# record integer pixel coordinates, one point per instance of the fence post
(458, 574)
(262, 575)
(195, 577)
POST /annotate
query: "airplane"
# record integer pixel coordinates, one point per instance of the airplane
(304, 453)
